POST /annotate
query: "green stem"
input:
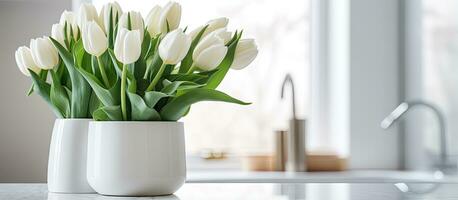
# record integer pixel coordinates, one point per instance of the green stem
(146, 72)
(102, 71)
(156, 78)
(123, 92)
(191, 69)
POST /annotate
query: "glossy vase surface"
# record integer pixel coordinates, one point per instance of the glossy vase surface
(136, 158)
(68, 156)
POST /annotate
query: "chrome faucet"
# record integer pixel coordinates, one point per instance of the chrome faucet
(404, 108)
(289, 80)
(296, 135)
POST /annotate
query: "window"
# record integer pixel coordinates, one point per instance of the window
(440, 66)
(281, 29)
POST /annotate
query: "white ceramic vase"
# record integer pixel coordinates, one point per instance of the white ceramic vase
(136, 158)
(67, 157)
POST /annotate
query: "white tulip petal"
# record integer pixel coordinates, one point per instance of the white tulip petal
(104, 16)
(193, 33)
(135, 19)
(95, 42)
(119, 44)
(86, 13)
(171, 14)
(152, 21)
(216, 24)
(128, 46)
(211, 57)
(206, 42)
(132, 46)
(223, 34)
(19, 61)
(174, 46)
(245, 52)
(57, 32)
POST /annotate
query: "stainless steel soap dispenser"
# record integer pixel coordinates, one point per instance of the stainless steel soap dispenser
(296, 135)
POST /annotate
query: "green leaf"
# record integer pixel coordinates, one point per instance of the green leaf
(186, 77)
(176, 108)
(140, 110)
(108, 97)
(118, 65)
(108, 113)
(94, 103)
(43, 89)
(59, 97)
(225, 65)
(80, 88)
(187, 61)
(152, 97)
(152, 47)
(173, 86)
(110, 29)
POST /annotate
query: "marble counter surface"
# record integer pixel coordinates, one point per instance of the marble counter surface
(261, 191)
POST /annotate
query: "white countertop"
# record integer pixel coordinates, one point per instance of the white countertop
(226, 184)
(257, 191)
(372, 176)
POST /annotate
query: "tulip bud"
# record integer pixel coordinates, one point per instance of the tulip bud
(136, 21)
(87, 12)
(104, 17)
(57, 32)
(216, 24)
(127, 47)
(245, 52)
(69, 18)
(222, 33)
(95, 42)
(25, 61)
(171, 15)
(193, 33)
(174, 47)
(209, 52)
(152, 21)
(213, 25)
(44, 53)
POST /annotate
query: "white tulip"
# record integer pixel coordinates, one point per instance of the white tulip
(193, 33)
(152, 21)
(44, 53)
(245, 52)
(127, 47)
(87, 12)
(25, 61)
(69, 18)
(95, 42)
(104, 17)
(216, 24)
(57, 32)
(136, 21)
(209, 52)
(171, 14)
(174, 47)
(222, 33)
(212, 25)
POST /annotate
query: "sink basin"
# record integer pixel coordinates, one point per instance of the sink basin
(383, 176)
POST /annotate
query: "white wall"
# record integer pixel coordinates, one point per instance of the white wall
(25, 122)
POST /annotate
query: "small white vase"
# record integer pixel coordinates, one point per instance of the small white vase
(136, 158)
(67, 157)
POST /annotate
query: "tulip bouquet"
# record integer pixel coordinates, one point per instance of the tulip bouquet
(116, 66)
(69, 95)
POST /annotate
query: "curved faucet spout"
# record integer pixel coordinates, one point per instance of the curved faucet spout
(405, 107)
(289, 79)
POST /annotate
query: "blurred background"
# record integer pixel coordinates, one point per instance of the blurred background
(352, 63)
